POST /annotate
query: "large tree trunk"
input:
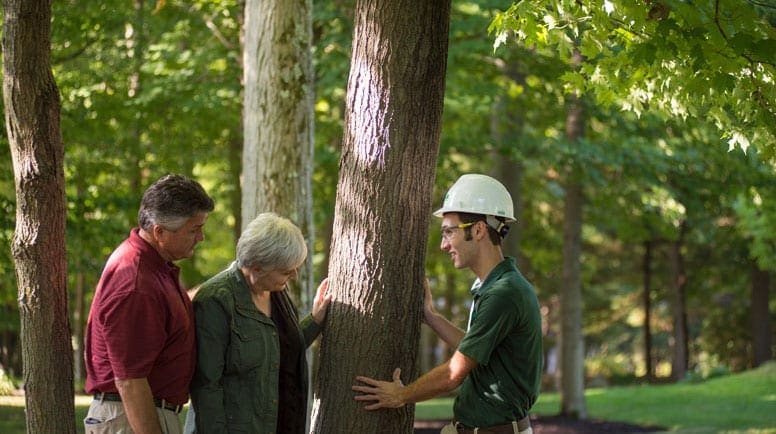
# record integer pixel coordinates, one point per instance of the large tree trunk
(32, 111)
(761, 316)
(681, 355)
(278, 117)
(572, 345)
(391, 140)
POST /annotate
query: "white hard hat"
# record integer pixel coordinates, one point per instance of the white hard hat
(478, 194)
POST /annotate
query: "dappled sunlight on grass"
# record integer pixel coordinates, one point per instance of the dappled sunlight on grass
(595, 392)
(18, 401)
(12, 401)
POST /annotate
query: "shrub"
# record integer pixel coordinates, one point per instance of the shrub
(6, 385)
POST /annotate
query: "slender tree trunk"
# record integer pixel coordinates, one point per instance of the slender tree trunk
(572, 345)
(572, 357)
(510, 172)
(505, 128)
(762, 327)
(79, 367)
(647, 301)
(235, 196)
(235, 153)
(133, 144)
(278, 118)
(32, 110)
(10, 359)
(680, 361)
(325, 240)
(428, 349)
(391, 140)
(6, 348)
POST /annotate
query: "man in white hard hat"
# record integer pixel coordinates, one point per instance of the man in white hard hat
(498, 361)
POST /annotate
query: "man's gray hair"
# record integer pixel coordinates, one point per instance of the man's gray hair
(272, 243)
(172, 200)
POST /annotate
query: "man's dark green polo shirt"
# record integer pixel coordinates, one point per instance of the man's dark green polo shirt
(505, 338)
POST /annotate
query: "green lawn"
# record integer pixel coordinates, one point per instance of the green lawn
(735, 404)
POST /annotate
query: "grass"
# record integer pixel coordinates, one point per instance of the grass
(736, 404)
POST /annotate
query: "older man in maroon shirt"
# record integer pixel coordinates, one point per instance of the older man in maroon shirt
(140, 343)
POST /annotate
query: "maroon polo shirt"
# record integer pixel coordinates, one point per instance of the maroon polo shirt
(141, 324)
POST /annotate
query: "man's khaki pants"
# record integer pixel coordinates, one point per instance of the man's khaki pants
(108, 417)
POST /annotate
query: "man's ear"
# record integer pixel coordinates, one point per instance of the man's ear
(157, 231)
(482, 230)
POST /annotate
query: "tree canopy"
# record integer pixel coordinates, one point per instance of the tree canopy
(711, 60)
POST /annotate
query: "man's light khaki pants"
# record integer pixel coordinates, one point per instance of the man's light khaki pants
(108, 417)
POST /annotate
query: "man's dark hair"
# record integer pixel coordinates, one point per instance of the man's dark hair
(494, 236)
(171, 201)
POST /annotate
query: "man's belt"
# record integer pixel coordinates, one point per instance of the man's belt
(522, 425)
(160, 403)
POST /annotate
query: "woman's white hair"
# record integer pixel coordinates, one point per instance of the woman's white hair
(272, 243)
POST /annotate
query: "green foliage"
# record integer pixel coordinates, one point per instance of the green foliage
(756, 213)
(726, 330)
(659, 89)
(133, 98)
(705, 60)
(9, 316)
(144, 92)
(332, 33)
(611, 368)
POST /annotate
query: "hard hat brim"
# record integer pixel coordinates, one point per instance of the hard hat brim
(442, 211)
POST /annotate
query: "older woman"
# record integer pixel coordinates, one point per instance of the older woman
(251, 373)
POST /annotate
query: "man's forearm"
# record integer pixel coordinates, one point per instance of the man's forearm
(139, 405)
(442, 379)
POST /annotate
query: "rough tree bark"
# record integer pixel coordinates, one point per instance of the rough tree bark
(32, 110)
(278, 117)
(390, 146)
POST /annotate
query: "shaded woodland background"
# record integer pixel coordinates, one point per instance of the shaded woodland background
(676, 211)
